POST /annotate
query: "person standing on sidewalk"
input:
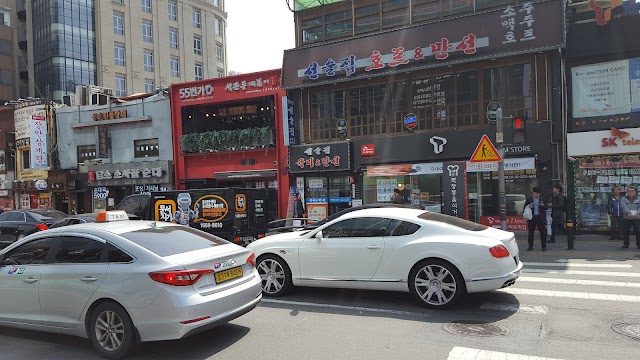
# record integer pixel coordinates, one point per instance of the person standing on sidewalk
(616, 214)
(558, 206)
(630, 209)
(539, 209)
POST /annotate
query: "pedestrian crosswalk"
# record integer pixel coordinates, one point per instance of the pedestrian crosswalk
(464, 353)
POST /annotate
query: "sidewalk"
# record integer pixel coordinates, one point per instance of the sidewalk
(585, 245)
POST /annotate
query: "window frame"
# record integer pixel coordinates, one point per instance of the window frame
(195, 71)
(116, 47)
(61, 238)
(172, 15)
(148, 55)
(218, 28)
(174, 35)
(381, 231)
(141, 154)
(151, 83)
(147, 36)
(146, 6)
(174, 60)
(219, 52)
(47, 258)
(197, 45)
(121, 79)
(118, 17)
(196, 18)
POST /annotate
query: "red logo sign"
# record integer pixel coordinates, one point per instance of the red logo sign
(514, 223)
(603, 15)
(91, 175)
(367, 150)
(619, 135)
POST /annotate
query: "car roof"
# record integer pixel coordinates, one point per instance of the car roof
(398, 213)
(115, 227)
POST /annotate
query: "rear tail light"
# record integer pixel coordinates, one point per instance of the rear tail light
(42, 227)
(237, 239)
(260, 236)
(499, 252)
(252, 260)
(179, 277)
(194, 320)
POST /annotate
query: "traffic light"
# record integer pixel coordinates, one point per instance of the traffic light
(518, 131)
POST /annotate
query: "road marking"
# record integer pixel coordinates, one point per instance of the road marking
(626, 266)
(572, 295)
(345, 307)
(529, 309)
(463, 353)
(578, 282)
(580, 272)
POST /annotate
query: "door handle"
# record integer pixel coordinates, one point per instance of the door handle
(374, 247)
(30, 280)
(89, 278)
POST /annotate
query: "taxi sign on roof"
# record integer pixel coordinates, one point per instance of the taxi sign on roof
(115, 215)
(485, 152)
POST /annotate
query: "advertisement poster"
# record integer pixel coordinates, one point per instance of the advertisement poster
(514, 223)
(202, 210)
(316, 212)
(384, 189)
(601, 89)
(24, 114)
(6, 203)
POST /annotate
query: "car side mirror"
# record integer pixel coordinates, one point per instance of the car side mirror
(319, 235)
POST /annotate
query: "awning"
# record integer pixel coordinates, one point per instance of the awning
(250, 174)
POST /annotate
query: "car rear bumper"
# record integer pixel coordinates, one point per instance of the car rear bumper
(494, 283)
(162, 319)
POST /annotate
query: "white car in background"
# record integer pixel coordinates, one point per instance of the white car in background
(436, 257)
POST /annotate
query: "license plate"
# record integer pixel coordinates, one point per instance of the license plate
(229, 274)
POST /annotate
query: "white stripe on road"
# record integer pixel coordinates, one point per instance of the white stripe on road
(567, 264)
(579, 272)
(344, 307)
(463, 353)
(572, 295)
(530, 309)
(578, 282)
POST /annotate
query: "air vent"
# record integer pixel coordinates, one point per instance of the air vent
(248, 162)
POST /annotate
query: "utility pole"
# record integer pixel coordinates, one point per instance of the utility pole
(502, 203)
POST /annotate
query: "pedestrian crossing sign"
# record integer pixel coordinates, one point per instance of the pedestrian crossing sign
(485, 152)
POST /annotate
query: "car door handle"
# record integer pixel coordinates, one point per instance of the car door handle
(89, 278)
(374, 247)
(30, 280)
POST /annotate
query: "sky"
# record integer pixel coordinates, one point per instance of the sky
(258, 32)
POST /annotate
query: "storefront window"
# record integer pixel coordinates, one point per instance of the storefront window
(326, 109)
(512, 87)
(422, 191)
(325, 196)
(467, 99)
(445, 97)
(483, 192)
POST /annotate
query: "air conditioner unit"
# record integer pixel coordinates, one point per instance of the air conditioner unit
(81, 95)
(69, 100)
(108, 91)
(99, 99)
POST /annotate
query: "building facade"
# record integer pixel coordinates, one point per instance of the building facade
(118, 149)
(8, 53)
(400, 89)
(7, 165)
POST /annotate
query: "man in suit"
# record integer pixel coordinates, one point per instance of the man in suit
(538, 207)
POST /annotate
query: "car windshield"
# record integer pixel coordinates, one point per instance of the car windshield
(40, 215)
(171, 240)
(452, 220)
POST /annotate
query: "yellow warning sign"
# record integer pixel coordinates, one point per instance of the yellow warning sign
(485, 152)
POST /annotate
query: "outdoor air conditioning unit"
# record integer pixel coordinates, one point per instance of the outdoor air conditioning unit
(81, 95)
(69, 100)
(99, 99)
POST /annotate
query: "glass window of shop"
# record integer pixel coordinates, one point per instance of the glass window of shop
(325, 196)
(595, 178)
(423, 191)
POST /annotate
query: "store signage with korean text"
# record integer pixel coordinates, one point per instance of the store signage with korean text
(320, 157)
(290, 125)
(454, 189)
(147, 189)
(39, 151)
(129, 174)
(367, 150)
(110, 115)
(196, 91)
(612, 141)
(24, 114)
(513, 29)
(103, 142)
(254, 85)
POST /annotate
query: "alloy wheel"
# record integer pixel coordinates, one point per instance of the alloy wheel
(272, 275)
(435, 285)
(109, 330)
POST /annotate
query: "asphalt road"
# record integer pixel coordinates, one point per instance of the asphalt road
(559, 309)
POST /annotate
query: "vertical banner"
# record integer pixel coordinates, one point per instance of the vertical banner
(285, 120)
(103, 142)
(39, 151)
(454, 189)
(290, 124)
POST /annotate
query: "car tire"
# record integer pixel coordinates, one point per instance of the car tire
(275, 275)
(436, 283)
(111, 331)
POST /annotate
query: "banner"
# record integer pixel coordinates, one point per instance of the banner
(601, 89)
(454, 189)
(514, 223)
(39, 151)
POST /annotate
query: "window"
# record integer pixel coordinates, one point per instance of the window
(162, 240)
(218, 26)
(17, 216)
(219, 52)
(426, 11)
(197, 45)
(175, 66)
(121, 85)
(216, 3)
(402, 228)
(325, 108)
(148, 60)
(146, 6)
(172, 10)
(6, 77)
(77, 250)
(360, 227)
(116, 255)
(86, 152)
(146, 148)
(31, 253)
(26, 159)
(452, 221)
(195, 16)
(118, 23)
(147, 31)
(4, 216)
(173, 38)
(118, 54)
(6, 47)
(149, 86)
(198, 72)
(512, 87)
(118, 1)
(220, 73)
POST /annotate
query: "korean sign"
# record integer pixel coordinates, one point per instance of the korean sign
(155, 172)
(320, 157)
(454, 189)
(506, 31)
(131, 174)
(602, 89)
(110, 115)
(103, 142)
(39, 151)
(252, 85)
(23, 116)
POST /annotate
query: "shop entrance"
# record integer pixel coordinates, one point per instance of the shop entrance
(324, 196)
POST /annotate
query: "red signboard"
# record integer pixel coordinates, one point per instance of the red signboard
(367, 149)
(91, 175)
(514, 223)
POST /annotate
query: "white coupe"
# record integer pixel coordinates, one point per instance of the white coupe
(436, 257)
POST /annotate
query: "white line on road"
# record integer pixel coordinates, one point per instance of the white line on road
(530, 309)
(572, 295)
(463, 353)
(626, 266)
(580, 272)
(578, 282)
(345, 307)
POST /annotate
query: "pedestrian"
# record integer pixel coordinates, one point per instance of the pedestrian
(298, 210)
(539, 209)
(630, 207)
(397, 197)
(616, 214)
(558, 207)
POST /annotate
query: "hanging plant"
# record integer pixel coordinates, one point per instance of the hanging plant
(245, 138)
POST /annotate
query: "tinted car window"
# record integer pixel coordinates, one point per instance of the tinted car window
(33, 252)
(59, 223)
(402, 228)
(116, 255)
(358, 227)
(47, 215)
(171, 240)
(17, 216)
(451, 220)
(78, 250)
(4, 216)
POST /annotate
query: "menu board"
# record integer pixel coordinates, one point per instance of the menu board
(384, 189)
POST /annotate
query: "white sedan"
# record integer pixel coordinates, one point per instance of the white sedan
(436, 257)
